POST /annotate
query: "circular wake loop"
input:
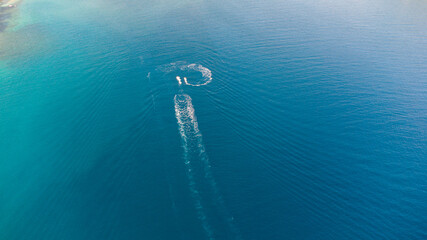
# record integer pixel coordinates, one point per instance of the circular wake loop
(188, 74)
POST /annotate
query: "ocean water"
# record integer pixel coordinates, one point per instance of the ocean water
(219, 119)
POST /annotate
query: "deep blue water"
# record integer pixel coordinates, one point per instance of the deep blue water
(313, 126)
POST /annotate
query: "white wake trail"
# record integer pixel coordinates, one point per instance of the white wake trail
(194, 150)
(184, 112)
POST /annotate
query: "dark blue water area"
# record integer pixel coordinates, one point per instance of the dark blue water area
(313, 126)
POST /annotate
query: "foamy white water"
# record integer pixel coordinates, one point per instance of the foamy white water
(194, 150)
(184, 113)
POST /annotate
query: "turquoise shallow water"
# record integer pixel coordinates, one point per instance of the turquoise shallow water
(313, 126)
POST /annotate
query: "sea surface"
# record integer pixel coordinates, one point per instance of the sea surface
(237, 119)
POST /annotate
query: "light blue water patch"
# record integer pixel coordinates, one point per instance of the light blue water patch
(311, 120)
